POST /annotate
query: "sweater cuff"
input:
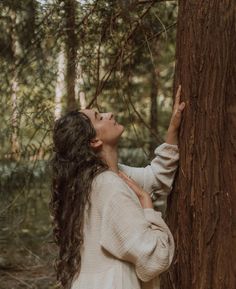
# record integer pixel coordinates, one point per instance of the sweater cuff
(172, 146)
(151, 215)
(166, 149)
(155, 220)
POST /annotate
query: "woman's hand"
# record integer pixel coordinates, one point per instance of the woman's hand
(144, 197)
(172, 133)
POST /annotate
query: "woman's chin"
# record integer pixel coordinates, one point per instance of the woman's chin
(122, 128)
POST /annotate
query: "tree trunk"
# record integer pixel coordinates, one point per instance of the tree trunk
(80, 88)
(15, 145)
(153, 111)
(71, 52)
(202, 207)
(60, 84)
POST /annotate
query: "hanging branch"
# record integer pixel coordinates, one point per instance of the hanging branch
(125, 40)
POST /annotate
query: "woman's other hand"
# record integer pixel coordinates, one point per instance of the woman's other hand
(144, 197)
(172, 133)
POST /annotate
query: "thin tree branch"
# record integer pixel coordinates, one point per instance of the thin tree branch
(107, 75)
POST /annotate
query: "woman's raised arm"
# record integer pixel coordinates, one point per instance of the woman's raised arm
(157, 178)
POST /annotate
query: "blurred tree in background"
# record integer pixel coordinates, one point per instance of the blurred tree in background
(57, 55)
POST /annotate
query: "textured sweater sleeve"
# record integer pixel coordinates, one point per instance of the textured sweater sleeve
(134, 234)
(156, 178)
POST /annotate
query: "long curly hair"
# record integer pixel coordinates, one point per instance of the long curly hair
(74, 166)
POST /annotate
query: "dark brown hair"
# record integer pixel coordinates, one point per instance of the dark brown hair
(74, 166)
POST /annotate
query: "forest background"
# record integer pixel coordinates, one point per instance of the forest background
(55, 56)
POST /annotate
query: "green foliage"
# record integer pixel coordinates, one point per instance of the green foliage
(119, 44)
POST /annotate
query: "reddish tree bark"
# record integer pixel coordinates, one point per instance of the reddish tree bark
(202, 207)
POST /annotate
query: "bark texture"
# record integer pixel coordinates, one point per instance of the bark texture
(202, 207)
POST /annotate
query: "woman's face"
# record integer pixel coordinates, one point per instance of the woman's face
(107, 129)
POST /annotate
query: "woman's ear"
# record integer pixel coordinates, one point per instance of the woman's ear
(96, 143)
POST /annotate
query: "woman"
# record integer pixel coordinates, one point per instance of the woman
(108, 233)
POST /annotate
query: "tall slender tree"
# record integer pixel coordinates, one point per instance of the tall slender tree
(15, 145)
(202, 211)
(71, 51)
(153, 109)
(60, 83)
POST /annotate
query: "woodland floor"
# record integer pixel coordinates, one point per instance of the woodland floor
(22, 268)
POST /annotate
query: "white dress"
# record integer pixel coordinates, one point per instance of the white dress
(126, 246)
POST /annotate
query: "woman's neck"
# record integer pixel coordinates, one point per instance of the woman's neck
(110, 156)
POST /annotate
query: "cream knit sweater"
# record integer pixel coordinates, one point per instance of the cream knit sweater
(126, 246)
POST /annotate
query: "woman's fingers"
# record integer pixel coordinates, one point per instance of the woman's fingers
(131, 183)
(177, 116)
(128, 180)
(123, 175)
(179, 109)
(181, 106)
(144, 197)
(177, 97)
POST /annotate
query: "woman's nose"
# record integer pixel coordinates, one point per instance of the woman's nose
(108, 115)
